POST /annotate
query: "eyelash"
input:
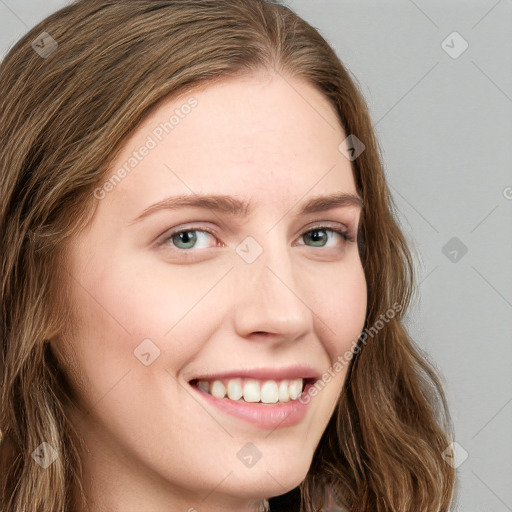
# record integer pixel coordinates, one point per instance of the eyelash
(168, 239)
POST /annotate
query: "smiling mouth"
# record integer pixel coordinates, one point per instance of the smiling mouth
(250, 390)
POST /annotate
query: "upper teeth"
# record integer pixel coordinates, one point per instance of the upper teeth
(251, 390)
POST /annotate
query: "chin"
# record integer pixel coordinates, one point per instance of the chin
(269, 480)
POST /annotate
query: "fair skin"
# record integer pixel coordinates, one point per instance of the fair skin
(154, 442)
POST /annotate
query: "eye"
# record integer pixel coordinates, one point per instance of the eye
(183, 241)
(188, 239)
(319, 235)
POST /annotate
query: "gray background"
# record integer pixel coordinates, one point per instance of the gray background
(445, 128)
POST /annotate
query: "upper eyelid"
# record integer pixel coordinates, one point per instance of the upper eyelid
(335, 226)
(313, 225)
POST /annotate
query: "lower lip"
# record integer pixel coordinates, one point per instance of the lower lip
(267, 416)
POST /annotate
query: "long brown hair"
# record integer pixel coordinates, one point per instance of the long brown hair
(66, 106)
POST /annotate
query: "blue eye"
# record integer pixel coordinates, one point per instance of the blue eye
(192, 238)
(187, 238)
(319, 235)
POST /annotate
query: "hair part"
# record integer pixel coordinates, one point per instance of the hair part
(63, 120)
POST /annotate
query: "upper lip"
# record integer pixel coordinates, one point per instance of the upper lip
(288, 372)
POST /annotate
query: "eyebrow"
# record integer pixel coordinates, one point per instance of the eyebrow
(240, 208)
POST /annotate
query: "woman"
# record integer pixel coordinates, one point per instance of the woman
(203, 284)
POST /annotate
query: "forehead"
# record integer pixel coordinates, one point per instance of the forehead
(258, 135)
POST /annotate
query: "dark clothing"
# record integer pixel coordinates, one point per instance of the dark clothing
(289, 502)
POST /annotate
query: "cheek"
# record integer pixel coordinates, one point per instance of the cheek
(341, 310)
(121, 306)
(151, 297)
(340, 313)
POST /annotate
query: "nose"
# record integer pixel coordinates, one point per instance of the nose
(270, 299)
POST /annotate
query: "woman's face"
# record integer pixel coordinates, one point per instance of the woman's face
(251, 301)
